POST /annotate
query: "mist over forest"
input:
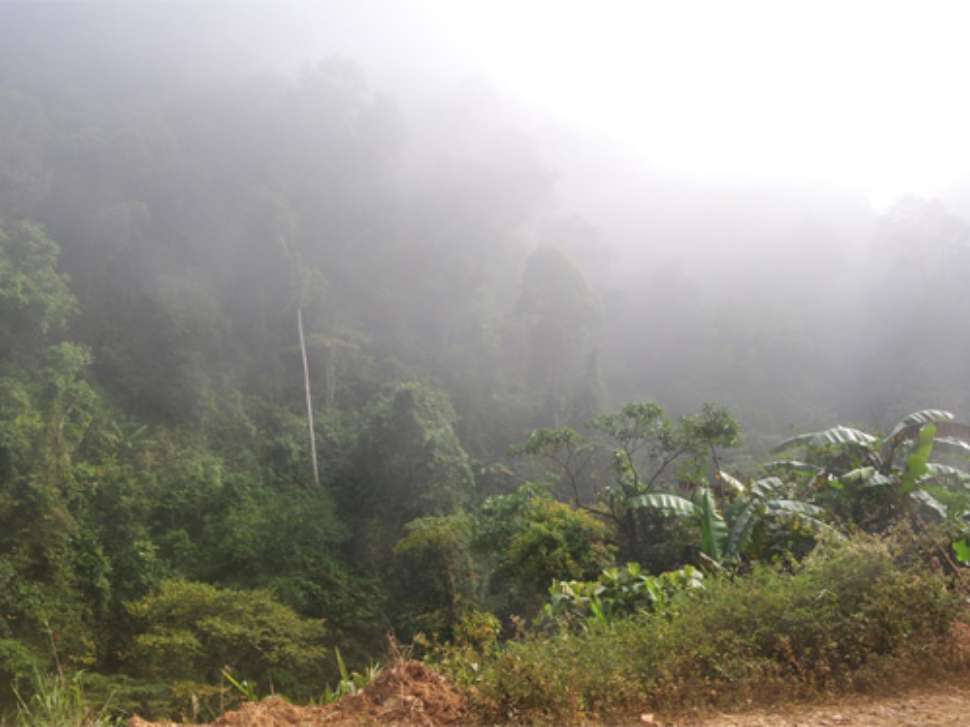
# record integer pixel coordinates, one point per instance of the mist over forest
(175, 157)
(179, 180)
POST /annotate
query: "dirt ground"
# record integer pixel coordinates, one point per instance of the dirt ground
(407, 693)
(946, 706)
(413, 696)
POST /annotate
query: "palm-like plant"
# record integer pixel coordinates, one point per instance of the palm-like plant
(873, 482)
(728, 531)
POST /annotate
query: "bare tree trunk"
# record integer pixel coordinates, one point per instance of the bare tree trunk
(309, 400)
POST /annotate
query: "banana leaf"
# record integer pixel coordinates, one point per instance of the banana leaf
(836, 435)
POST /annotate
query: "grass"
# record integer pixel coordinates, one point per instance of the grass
(58, 701)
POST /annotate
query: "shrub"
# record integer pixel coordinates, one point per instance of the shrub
(192, 631)
(845, 616)
(532, 540)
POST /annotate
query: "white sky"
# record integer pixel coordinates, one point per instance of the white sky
(874, 96)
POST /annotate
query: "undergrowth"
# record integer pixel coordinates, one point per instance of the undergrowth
(847, 618)
(857, 616)
(55, 700)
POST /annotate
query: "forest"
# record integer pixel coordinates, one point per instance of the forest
(585, 435)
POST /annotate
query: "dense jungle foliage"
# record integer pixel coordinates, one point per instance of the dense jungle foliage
(487, 492)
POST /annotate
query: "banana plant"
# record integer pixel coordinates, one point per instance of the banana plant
(724, 537)
(879, 452)
(771, 504)
(702, 511)
(859, 476)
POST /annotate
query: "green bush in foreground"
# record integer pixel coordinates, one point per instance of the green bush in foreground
(192, 633)
(837, 622)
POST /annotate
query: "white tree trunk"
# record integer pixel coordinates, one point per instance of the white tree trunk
(309, 399)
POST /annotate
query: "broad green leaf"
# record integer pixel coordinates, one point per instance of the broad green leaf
(836, 435)
(962, 550)
(935, 471)
(742, 528)
(952, 444)
(805, 514)
(918, 459)
(866, 476)
(793, 507)
(880, 480)
(955, 499)
(673, 504)
(713, 527)
(766, 486)
(930, 503)
(925, 416)
(951, 437)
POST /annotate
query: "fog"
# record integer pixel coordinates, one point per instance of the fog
(545, 209)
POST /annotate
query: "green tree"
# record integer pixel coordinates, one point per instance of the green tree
(55, 575)
(35, 299)
(408, 464)
(435, 577)
(529, 539)
(629, 459)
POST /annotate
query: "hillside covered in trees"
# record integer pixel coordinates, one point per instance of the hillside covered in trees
(480, 291)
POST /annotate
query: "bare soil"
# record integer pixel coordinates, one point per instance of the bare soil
(407, 693)
(946, 706)
(410, 694)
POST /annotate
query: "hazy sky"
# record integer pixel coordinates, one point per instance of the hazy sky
(869, 95)
(866, 95)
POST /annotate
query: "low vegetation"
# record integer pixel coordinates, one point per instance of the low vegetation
(847, 617)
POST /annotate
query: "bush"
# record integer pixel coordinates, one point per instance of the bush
(531, 540)
(845, 617)
(617, 592)
(192, 631)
